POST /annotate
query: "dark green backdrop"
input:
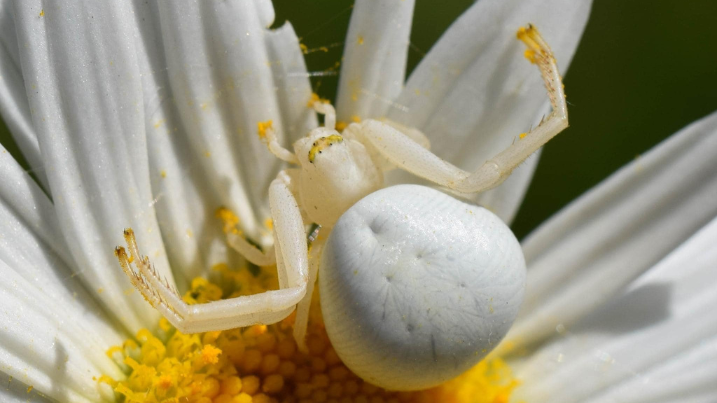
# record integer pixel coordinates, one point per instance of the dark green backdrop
(644, 69)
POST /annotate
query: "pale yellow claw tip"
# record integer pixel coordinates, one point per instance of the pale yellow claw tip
(526, 32)
(315, 98)
(530, 36)
(262, 127)
(229, 219)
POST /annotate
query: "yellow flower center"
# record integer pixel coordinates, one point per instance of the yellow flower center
(262, 363)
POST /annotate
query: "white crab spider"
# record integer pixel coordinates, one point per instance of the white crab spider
(335, 171)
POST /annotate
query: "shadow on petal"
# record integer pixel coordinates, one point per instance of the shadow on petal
(639, 308)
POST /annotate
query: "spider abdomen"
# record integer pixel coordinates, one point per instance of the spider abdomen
(417, 287)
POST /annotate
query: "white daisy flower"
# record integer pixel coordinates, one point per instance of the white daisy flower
(145, 115)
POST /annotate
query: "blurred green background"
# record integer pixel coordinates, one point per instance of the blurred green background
(644, 70)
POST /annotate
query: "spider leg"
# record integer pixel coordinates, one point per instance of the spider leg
(328, 111)
(302, 309)
(251, 252)
(405, 153)
(268, 136)
(496, 170)
(290, 233)
(267, 307)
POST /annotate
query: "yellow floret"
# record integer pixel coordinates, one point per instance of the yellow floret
(262, 363)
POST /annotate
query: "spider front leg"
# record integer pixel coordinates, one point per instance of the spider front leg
(408, 155)
(302, 309)
(265, 308)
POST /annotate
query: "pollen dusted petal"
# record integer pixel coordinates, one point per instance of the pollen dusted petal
(89, 117)
(221, 93)
(373, 68)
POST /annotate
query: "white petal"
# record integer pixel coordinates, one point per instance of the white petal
(184, 205)
(31, 244)
(29, 257)
(20, 194)
(221, 65)
(83, 83)
(43, 301)
(14, 107)
(47, 347)
(693, 372)
(474, 92)
(612, 234)
(704, 397)
(654, 341)
(291, 81)
(374, 62)
(14, 391)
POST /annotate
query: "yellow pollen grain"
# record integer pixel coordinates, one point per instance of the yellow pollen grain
(273, 384)
(340, 126)
(530, 55)
(269, 224)
(164, 382)
(229, 219)
(42, 12)
(304, 48)
(165, 325)
(359, 40)
(262, 127)
(231, 385)
(263, 364)
(163, 173)
(29, 388)
(522, 135)
(210, 354)
(355, 119)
